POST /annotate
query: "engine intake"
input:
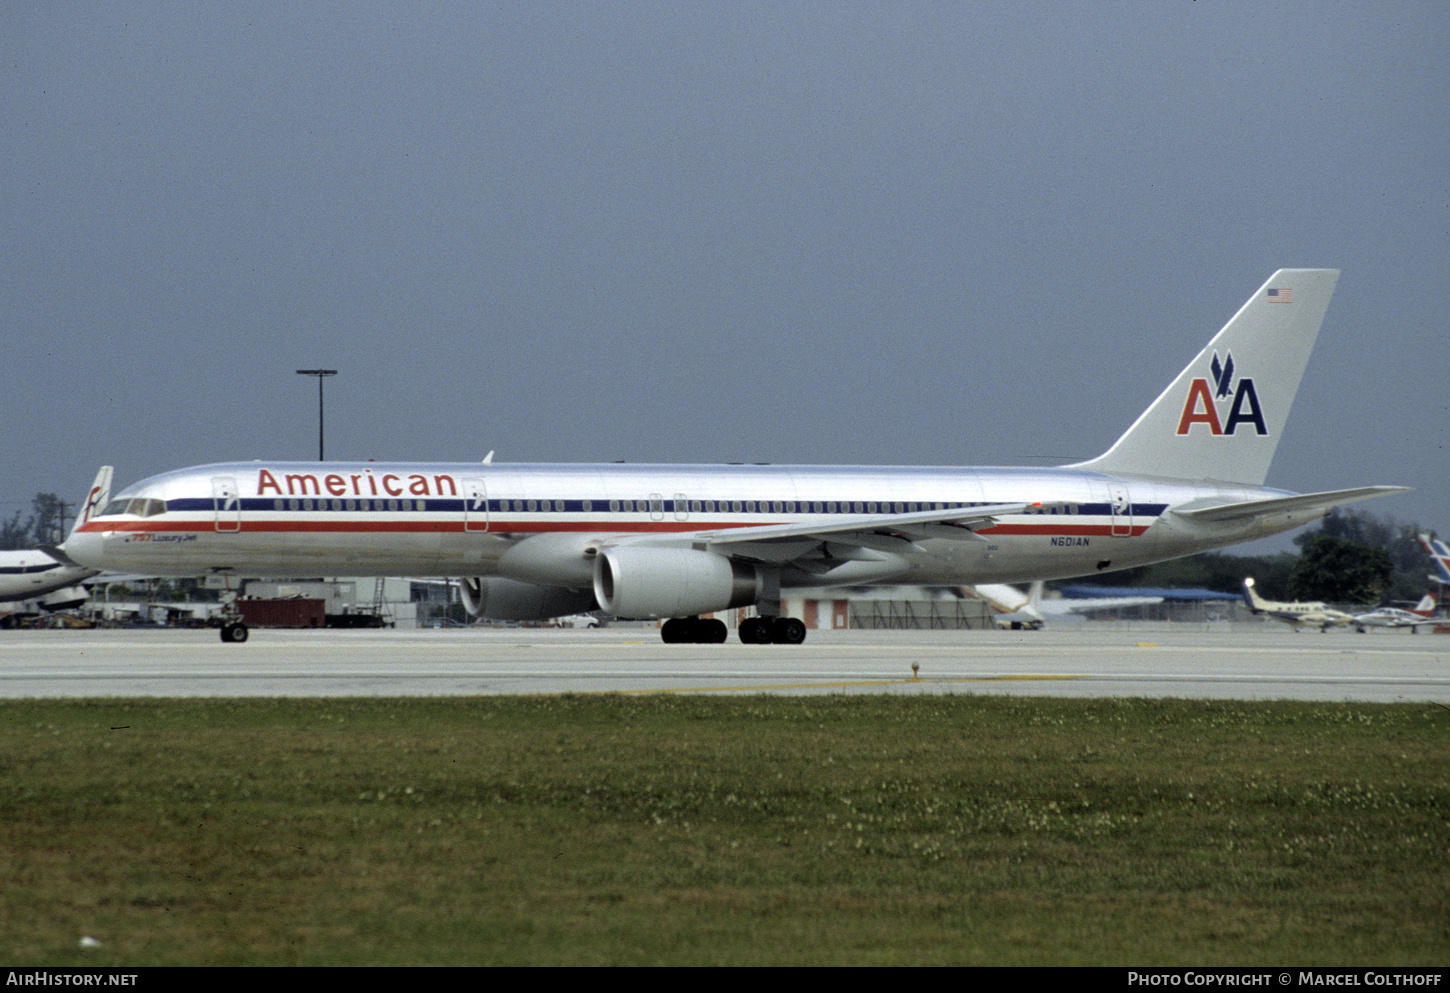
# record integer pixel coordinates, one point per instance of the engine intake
(671, 582)
(510, 600)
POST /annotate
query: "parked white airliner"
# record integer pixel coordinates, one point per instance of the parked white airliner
(537, 541)
(1029, 611)
(36, 574)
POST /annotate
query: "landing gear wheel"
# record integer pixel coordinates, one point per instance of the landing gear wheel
(692, 630)
(787, 631)
(235, 633)
(755, 631)
(772, 631)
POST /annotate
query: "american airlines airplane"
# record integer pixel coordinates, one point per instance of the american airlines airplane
(677, 542)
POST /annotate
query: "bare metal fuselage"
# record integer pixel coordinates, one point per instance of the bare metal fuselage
(458, 519)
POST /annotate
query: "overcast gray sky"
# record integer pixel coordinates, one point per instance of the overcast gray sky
(941, 233)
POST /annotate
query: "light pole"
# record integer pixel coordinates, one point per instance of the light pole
(321, 374)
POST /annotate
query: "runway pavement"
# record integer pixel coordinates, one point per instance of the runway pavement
(1222, 661)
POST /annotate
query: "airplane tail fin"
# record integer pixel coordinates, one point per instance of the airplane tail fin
(1251, 598)
(1435, 548)
(1033, 607)
(1426, 606)
(1222, 417)
(1034, 594)
(1000, 597)
(97, 498)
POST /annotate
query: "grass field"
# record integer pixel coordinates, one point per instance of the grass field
(871, 830)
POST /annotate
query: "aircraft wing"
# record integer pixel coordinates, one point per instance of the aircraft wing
(1076, 605)
(822, 546)
(883, 532)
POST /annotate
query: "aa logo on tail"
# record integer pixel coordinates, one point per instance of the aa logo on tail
(1201, 406)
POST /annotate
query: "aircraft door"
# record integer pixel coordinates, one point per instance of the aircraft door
(1122, 506)
(227, 503)
(682, 507)
(475, 505)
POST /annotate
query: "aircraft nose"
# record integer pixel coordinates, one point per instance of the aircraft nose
(86, 548)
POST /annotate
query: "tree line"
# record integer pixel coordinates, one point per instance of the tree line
(45, 526)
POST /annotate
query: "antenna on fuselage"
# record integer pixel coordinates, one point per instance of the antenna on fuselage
(488, 459)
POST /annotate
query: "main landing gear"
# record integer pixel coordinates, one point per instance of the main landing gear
(753, 631)
(772, 631)
(693, 630)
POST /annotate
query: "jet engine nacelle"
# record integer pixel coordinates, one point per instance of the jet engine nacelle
(640, 581)
(64, 599)
(510, 600)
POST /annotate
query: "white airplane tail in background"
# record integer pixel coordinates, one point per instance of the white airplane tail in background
(97, 498)
(1221, 419)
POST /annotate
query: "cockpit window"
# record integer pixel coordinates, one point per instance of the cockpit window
(137, 506)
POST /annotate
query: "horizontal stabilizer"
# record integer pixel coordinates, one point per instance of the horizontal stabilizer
(1285, 505)
(57, 553)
